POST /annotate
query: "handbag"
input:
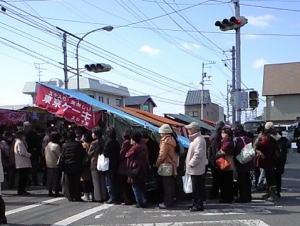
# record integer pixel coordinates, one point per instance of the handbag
(246, 154)
(223, 163)
(187, 183)
(102, 163)
(165, 170)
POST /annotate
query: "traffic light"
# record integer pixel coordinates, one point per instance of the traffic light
(253, 99)
(98, 67)
(232, 23)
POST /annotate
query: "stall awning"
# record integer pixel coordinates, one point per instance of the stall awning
(96, 104)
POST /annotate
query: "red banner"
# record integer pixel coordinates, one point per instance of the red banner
(67, 107)
(8, 117)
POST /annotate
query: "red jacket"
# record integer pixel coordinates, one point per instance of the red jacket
(137, 163)
(227, 145)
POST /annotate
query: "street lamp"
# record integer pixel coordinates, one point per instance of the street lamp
(106, 28)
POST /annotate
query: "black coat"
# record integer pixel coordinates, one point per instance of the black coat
(73, 154)
(111, 150)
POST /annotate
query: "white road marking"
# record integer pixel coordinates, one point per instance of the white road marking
(81, 215)
(254, 222)
(20, 209)
(290, 179)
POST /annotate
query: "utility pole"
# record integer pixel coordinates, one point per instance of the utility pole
(238, 63)
(202, 87)
(64, 45)
(233, 89)
(227, 101)
(37, 66)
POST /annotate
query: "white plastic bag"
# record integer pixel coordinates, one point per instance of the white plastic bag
(187, 183)
(102, 163)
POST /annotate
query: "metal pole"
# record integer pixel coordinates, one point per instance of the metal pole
(202, 92)
(233, 91)
(238, 63)
(77, 64)
(64, 45)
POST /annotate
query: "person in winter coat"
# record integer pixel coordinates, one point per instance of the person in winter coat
(196, 162)
(86, 177)
(126, 193)
(214, 147)
(98, 177)
(266, 149)
(137, 165)
(226, 175)
(22, 161)
(243, 170)
(112, 152)
(72, 158)
(3, 219)
(8, 158)
(52, 154)
(167, 155)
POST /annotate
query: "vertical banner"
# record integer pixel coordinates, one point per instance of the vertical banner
(67, 107)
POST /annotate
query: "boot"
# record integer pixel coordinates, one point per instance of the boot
(197, 206)
(273, 194)
(266, 196)
(2, 212)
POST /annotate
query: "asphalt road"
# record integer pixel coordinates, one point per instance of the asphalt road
(38, 209)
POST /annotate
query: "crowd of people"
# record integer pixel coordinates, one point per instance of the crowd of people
(71, 160)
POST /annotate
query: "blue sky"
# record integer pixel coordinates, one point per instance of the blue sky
(171, 46)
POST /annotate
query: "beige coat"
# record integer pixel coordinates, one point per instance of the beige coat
(167, 152)
(22, 156)
(52, 153)
(196, 159)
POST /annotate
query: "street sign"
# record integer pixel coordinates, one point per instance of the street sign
(243, 100)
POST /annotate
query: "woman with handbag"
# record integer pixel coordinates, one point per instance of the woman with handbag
(196, 162)
(226, 165)
(167, 165)
(98, 177)
(243, 170)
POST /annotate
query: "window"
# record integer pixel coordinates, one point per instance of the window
(92, 96)
(101, 99)
(107, 100)
(119, 102)
(145, 108)
(193, 113)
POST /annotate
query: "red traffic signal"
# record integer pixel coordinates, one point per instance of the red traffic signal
(98, 67)
(232, 23)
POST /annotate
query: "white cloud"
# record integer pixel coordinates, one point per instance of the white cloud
(259, 63)
(190, 46)
(260, 21)
(149, 50)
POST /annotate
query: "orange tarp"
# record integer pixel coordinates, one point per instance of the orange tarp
(149, 117)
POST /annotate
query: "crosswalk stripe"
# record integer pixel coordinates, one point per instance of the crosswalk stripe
(23, 208)
(81, 215)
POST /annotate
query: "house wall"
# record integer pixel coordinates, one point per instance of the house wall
(210, 111)
(148, 103)
(282, 108)
(106, 98)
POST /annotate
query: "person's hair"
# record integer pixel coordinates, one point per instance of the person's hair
(7, 134)
(111, 133)
(260, 129)
(70, 135)
(239, 130)
(54, 137)
(137, 136)
(228, 131)
(19, 134)
(87, 138)
(97, 131)
(145, 135)
(126, 134)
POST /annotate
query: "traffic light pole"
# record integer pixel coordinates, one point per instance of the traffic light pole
(64, 45)
(233, 91)
(238, 64)
(202, 93)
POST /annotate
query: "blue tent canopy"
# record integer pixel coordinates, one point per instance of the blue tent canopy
(89, 100)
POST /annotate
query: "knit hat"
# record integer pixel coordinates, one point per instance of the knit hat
(165, 128)
(269, 125)
(193, 125)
